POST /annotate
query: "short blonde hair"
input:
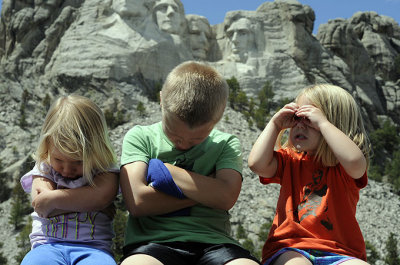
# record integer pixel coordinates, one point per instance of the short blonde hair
(77, 128)
(195, 92)
(341, 110)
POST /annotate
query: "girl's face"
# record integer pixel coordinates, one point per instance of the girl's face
(302, 136)
(67, 167)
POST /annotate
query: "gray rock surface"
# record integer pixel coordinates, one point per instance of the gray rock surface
(118, 51)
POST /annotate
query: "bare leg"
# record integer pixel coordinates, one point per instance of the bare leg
(242, 261)
(292, 258)
(139, 259)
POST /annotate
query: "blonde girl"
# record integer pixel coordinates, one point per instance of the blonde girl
(72, 185)
(321, 168)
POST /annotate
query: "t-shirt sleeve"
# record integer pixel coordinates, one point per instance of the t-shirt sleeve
(279, 155)
(27, 179)
(134, 147)
(231, 156)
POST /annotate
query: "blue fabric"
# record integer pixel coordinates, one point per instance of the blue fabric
(67, 254)
(159, 177)
(315, 256)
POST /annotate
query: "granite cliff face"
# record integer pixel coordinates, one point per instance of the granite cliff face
(117, 51)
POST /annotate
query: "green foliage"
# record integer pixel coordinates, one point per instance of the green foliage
(23, 241)
(397, 66)
(120, 220)
(5, 191)
(114, 116)
(46, 102)
(392, 170)
(234, 91)
(22, 117)
(154, 94)
(264, 231)
(392, 256)
(240, 232)
(372, 253)
(141, 109)
(20, 206)
(3, 260)
(256, 111)
(385, 143)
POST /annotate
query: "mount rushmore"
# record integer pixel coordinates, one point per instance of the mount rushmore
(117, 52)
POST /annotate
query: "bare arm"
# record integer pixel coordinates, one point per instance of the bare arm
(261, 159)
(220, 192)
(83, 199)
(143, 200)
(346, 151)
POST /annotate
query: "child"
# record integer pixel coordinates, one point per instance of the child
(72, 181)
(179, 204)
(321, 168)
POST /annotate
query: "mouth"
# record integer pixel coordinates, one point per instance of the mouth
(300, 137)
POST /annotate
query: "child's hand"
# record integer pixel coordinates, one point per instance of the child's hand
(284, 118)
(311, 116)
(43, 202)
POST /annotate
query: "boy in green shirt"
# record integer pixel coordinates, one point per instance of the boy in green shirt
(202, 166)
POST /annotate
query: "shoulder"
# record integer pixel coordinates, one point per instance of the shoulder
(219, 136)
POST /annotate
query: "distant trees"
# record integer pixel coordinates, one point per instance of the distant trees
(392, 256)
(385, 161)
(255, 110)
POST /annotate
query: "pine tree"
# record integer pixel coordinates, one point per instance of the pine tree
(392, 257)
(19, 206)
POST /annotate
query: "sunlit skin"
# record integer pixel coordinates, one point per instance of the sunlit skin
(181, 135)
(303, 136)
(67, 167)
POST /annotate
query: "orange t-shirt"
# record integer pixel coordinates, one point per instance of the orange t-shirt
(316, 208)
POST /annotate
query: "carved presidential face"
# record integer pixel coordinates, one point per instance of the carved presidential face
(199, 34)
(130, 8)
(240, 38)
(169, 16)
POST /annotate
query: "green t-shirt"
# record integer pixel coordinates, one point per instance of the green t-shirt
(204, 224)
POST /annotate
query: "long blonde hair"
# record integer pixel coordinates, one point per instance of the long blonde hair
(77, 128)
(341, 110)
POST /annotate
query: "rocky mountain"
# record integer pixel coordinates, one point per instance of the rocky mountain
(118, 52)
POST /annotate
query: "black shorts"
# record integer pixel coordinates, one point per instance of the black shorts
(190, 253)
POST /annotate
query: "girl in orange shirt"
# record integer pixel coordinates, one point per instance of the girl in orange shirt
(321, 168)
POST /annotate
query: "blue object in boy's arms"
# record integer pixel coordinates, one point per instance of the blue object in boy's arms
(159, 177)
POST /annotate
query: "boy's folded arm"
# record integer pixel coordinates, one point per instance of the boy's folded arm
(142, 199)
(220, 192)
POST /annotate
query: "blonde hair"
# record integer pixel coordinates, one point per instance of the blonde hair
(341, 110)
(196, 93)
(77, 128)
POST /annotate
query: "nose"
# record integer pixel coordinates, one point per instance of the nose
(68, 171)
(170, 11)
(235, 37)
(202, 38)
(300, 124)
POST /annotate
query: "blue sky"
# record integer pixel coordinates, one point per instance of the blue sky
(215, 10)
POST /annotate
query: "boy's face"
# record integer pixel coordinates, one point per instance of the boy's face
(181, 135)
